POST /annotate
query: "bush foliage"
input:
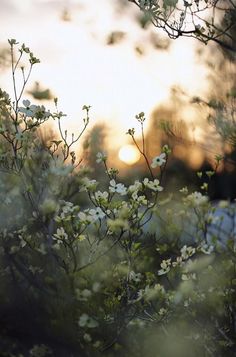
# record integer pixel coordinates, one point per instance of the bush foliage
(92, 268)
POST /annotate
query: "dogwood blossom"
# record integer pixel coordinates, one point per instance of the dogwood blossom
(87, 337)
(207, 248)
(152, 185)
(28, 109)
(136, 277)
(141, 200)
(96, 214)
(158, 160)
(162, 311)
(41, 113)
(115, 225)
(178, 262)
(166, 149)
(165, 265)
(101, 156)
(67, 209)
(89, 185)
(196, 198)
(187, 252)
(150, 293)
(34, 111)
(101, 196)
(112, 172)
(117, 187)
(87, 321)
(60, 234)
(137, 186)
(84, 218)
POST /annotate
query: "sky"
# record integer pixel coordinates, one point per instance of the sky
(80, 68)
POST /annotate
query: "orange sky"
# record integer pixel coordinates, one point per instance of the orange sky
(79, 68)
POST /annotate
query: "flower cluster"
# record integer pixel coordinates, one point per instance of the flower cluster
(196, 199)
(34, 111)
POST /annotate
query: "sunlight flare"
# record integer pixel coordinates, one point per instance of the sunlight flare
(129, 154)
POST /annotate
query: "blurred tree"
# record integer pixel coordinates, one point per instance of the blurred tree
(39, 93)
(115, 37)
(5, 59)
(95, 142)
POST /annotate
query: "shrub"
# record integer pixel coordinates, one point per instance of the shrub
(127, 271)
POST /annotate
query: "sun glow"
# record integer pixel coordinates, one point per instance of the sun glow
(118, 75)
(129, 154)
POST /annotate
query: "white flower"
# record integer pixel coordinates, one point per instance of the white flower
(207, 249)
(87, 337)
(197, 198)
(178, 262)
(81, 237)
(37, 111)
(187, 252)
(223, 204)
(101, 196)
(137, 186)
(141, 200)
(67, 210)
(136, 277)
(166, 149)
(87, 321)
(86, 293)
(159, 288)
(28, 110)
(83, 320)
(184, 190)
(140, 294)
(90, 185)
(158, 160)
(134, 196)
(162, 311)
(41, 113)
(117, 187)
(96, 213)
(101, 156)
(96, 286)
(145, 181)
(85, 217)
(185, 277)
(165, 265)
(214, 220)
(112, 171)
(153, 185)
(115, 225)
(61, 234)
(151, 293)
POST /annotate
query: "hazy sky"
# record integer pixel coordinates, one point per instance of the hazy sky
(79, 68)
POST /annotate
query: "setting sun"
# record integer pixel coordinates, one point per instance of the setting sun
(129, 154)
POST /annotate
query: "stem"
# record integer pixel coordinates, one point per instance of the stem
(24, 84)
(144, 149)
(13, 75)
(144, 155)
